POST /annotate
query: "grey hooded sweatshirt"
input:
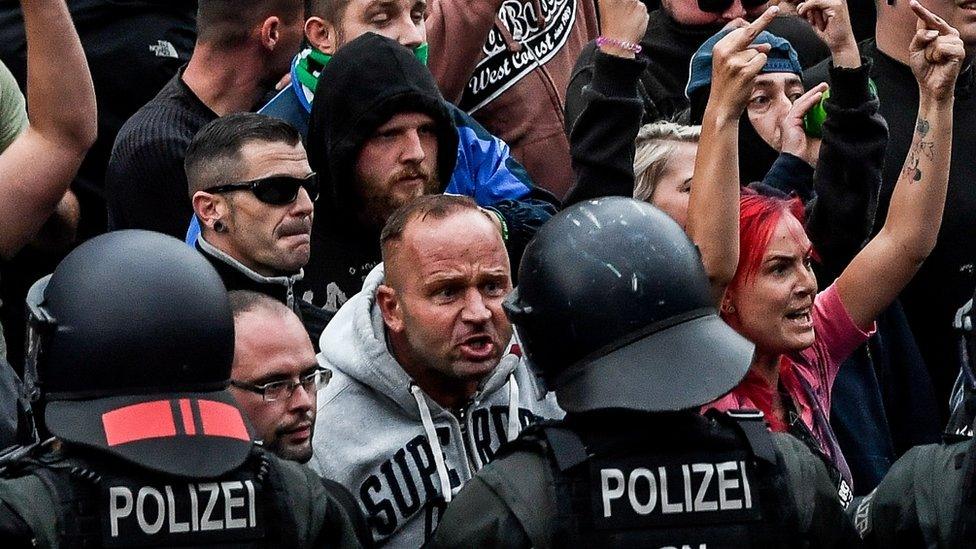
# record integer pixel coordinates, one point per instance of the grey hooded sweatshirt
(401, 454)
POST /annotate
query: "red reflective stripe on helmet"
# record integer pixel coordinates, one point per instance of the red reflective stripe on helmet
(222, 420)
(138, 422)
(187, 414)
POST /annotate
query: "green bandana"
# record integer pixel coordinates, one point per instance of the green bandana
(310, 66)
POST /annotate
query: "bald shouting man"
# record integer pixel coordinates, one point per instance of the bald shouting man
(426, 382)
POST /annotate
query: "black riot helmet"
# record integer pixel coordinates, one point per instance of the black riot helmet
(130, 347)
(614, 310)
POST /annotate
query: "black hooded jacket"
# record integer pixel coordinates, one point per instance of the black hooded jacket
(370, 80)
(237, 276)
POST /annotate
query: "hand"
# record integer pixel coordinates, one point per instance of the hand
(832, 23)
(936, 54)
(736, 62)
(624, 20)
(793, 139)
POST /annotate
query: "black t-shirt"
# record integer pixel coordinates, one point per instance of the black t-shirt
(145, 183)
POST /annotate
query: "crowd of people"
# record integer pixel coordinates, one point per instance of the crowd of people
(503, 273)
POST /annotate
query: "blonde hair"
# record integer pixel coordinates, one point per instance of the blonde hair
(655, 145)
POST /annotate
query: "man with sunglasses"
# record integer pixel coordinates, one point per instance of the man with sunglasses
(253, 192)
(674, 33)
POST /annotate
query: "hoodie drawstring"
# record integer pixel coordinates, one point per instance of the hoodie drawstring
(435, 443)
(513, 400)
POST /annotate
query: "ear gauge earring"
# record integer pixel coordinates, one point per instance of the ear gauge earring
(728, 307)
(219, 226)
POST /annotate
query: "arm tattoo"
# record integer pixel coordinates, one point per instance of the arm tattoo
(922, 148)
(922, 128)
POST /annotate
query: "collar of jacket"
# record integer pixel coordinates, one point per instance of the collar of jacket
(237, 276)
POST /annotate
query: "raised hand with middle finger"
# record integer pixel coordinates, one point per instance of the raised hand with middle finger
(936, 55)
(831, 21)
(736, 62)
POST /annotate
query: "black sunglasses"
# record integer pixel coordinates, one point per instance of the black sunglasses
(276, 190)
(719, 6)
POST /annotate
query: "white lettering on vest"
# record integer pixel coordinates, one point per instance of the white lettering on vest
(174, 526)
(253, 521)
(611, 493)
(746, 489)
(231, 503)
(157, 524)
(666, 506)
(726, 483)
(205, 522)
(722, 495)
(700, 503)
(174, 503)
(645, 508)
(194, 510)
(114, 511)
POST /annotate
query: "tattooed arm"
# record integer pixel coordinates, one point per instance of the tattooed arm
(889, 261)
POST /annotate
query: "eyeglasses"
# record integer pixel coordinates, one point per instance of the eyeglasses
(276, 190)
(284, 389)
(719, 6)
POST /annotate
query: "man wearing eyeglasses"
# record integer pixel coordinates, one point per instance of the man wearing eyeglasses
(275, 377)
(253, 190)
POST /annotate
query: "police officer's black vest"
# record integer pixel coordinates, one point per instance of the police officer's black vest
(736, 498)
(107, 503)
(964, 523)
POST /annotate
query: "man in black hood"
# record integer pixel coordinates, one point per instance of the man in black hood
(380, 135)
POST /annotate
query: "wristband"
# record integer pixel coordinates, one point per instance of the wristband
(629, 46)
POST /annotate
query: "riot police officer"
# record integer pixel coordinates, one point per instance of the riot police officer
(131, 341)
(614, 313)
(928, 497)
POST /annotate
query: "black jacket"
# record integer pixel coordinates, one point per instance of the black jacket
(145, 183)
(133, 48)
(236, 276)
(669, 46)
(923, 501)
(48, 506)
